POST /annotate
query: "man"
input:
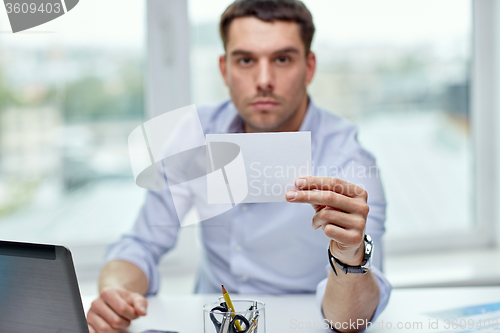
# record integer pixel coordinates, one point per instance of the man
(267, 67)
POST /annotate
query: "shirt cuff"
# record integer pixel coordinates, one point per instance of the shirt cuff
(132, 251)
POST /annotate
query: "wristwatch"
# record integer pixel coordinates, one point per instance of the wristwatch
(365, 266)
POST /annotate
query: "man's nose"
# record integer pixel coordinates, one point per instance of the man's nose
(265, 79)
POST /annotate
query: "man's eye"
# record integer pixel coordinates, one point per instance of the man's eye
(282, 60)
(245, 61)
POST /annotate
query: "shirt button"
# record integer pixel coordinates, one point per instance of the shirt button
(244, 208)
(244, 278)
(238, 248)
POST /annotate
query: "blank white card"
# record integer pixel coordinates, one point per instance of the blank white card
(258, 167)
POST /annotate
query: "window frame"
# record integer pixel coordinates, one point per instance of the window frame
(168, 66)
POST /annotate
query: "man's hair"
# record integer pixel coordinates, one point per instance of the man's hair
(269, 11)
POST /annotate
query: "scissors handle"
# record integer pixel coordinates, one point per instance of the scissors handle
(241, 319)
(214, 320)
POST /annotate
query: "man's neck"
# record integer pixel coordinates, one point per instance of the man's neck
(292, 124)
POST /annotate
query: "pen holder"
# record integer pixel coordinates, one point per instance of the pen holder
(249, 314)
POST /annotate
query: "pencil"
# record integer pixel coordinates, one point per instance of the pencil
(230, 305)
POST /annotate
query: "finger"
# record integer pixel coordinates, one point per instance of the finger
(126, 295)
(115, 300)
(324, 198)
(91, 329)
(346, 237)
(112, 318)
(338, 218)
(99, 324)
(330, 184)
(140, 304)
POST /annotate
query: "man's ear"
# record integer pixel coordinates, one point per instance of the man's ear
(310, 67)
(223, 68)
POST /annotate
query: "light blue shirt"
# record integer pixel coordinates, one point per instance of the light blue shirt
(266, 248)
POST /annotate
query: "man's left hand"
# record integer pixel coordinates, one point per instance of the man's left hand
(341, 211)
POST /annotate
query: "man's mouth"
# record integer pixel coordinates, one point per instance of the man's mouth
(264, 105)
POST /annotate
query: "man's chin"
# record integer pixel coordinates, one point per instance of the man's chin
(266, 126)
(263, 121)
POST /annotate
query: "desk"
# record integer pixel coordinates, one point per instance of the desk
(288, 313)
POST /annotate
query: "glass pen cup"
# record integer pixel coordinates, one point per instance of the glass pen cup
(248, 317)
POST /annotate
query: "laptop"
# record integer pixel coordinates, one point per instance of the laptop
(39, 290)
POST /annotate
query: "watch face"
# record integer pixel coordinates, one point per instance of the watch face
(368, 252)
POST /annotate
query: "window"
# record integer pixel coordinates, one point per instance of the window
(71, 91)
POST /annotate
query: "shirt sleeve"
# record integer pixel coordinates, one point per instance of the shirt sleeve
(154, 233)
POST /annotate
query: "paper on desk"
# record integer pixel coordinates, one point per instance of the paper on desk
(258, 167)
(475, 318)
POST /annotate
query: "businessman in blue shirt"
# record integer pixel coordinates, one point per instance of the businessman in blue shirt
(268, 248)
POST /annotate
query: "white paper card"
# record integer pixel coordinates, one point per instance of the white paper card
(273, 161)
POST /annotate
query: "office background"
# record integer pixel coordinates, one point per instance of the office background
(418, 77)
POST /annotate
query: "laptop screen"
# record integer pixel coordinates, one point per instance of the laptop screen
(39, 290)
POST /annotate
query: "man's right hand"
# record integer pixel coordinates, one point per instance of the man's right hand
(115, 309)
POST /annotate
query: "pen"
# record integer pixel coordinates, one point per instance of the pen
(251, 311)
(226, 323)
(230, 306)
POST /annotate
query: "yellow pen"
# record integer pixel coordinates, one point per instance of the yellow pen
(230, 305)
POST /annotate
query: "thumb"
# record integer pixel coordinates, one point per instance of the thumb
(140, 304)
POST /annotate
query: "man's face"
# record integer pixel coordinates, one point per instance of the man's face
(267, 71)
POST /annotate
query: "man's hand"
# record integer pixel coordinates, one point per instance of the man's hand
(115, 309)
(341, 211)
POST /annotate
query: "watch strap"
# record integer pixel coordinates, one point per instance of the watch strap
(353, 269)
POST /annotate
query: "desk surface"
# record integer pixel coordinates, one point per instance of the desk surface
(293, 313)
